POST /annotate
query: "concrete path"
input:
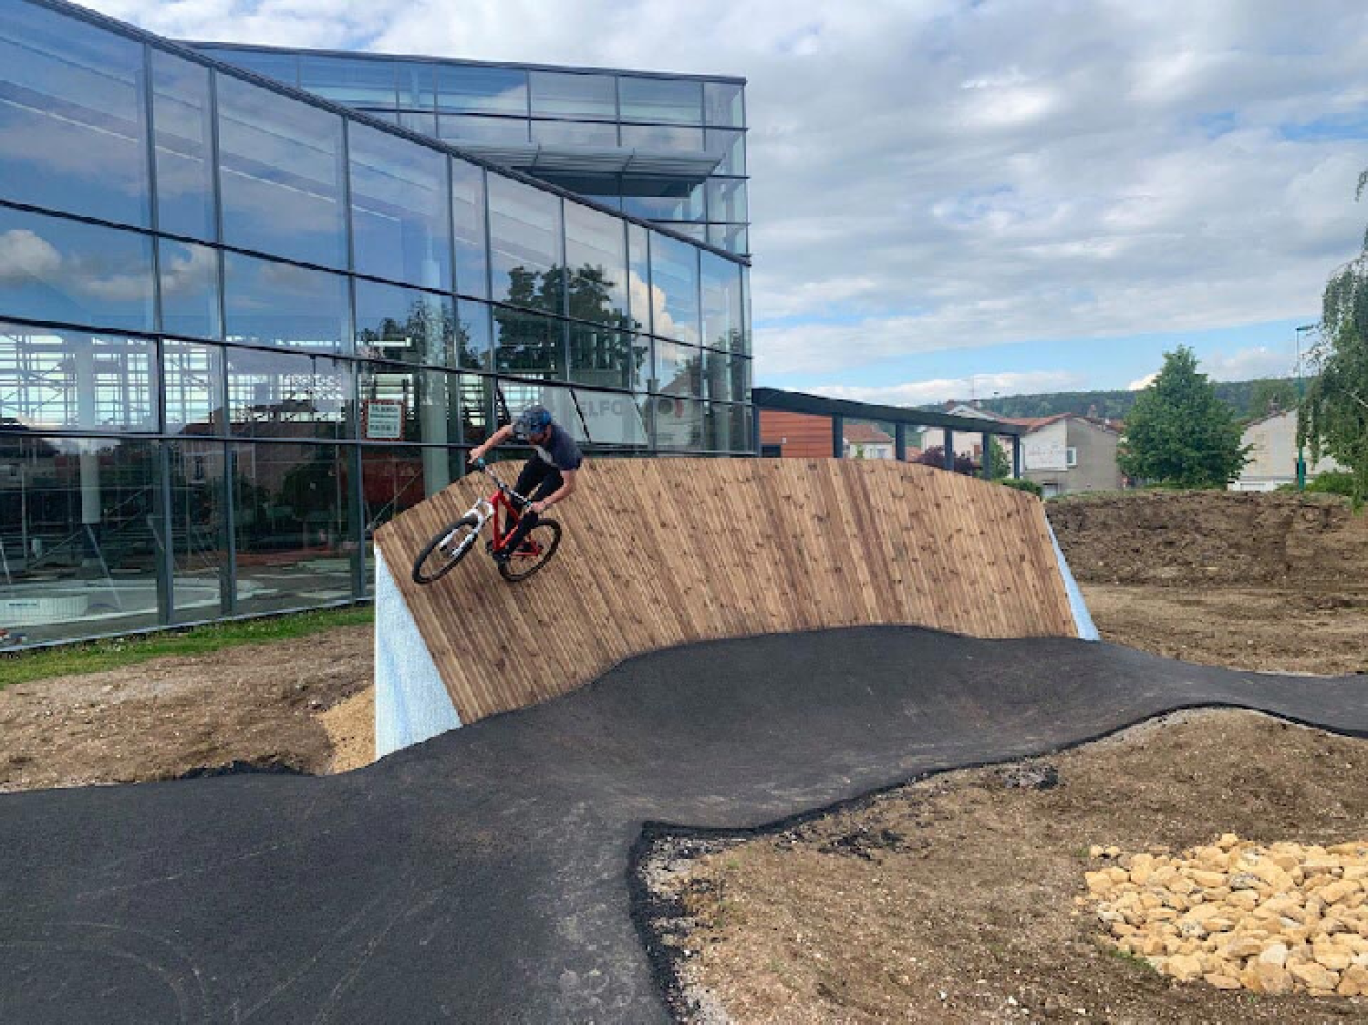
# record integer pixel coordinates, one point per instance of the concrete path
(481, 877)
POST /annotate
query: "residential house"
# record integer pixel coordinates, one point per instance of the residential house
(1068, 453)
(1273, 454)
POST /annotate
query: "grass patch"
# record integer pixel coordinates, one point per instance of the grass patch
(115, 652)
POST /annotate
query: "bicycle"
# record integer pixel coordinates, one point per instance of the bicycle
(451, 544)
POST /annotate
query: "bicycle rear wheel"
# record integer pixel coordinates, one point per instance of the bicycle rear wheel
(535, 551)
(447, 547)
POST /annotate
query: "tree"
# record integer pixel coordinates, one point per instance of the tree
(1179, 432)
(1271, 395)
(1336, 403)
(935, 456)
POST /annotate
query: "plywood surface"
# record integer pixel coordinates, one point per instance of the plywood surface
(661, 552)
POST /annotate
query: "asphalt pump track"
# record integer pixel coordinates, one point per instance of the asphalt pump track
(482, 876)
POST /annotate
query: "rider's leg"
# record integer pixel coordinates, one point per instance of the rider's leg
(533, 473)
(550, 484)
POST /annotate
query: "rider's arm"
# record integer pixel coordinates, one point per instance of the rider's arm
(493, 441)
(564, 491)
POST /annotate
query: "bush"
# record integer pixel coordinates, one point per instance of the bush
(1022, 484)
(1332, 482)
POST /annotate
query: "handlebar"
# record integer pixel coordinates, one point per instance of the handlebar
(482, 465)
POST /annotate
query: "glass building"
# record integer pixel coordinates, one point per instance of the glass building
(667, 148)
(241, 326)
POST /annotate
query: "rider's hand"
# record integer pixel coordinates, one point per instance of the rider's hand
(538, 507)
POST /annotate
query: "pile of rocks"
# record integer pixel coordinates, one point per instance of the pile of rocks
(1280, 918)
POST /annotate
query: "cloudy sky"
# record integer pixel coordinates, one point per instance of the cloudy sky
(1003, 195)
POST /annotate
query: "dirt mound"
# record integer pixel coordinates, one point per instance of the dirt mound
(1213, 538)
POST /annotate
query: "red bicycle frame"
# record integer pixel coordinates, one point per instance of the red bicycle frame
(500, 505)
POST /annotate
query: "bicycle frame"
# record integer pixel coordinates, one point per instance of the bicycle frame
(487, 509)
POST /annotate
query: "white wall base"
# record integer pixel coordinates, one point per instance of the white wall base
(411, 702)
(1082, 619)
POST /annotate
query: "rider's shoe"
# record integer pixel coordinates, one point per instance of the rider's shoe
(500, 555)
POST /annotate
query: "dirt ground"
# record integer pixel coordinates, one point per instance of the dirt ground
(952, 899)
(267, 707)
(1272, 582)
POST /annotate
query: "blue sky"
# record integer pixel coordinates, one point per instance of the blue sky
(1037, 194)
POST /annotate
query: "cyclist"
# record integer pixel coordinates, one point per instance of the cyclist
(548, 477)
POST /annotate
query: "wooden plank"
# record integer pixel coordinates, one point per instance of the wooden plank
(663, 552)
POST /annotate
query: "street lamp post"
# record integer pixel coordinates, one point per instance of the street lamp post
(1301, 450)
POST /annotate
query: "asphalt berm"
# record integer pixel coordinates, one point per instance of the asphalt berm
(483, 876)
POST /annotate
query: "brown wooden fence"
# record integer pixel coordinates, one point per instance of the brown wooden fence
(661, 552)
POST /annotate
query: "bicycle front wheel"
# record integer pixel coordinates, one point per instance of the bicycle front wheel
(535, 551)
(447, 547)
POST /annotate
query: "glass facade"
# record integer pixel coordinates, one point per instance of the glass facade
(256, 328)
(670, 149)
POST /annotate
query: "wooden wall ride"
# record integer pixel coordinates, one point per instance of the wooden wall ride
(661, 552)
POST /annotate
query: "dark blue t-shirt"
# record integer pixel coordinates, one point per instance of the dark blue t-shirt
(560, 450)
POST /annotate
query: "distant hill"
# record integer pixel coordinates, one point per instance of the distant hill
(1114, 405)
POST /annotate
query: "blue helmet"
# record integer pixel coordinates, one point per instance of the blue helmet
(532, 420)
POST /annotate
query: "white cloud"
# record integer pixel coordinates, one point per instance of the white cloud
(1246, 364)
(25, 255)
(941, 175)
(1141, 383)
(920, 393)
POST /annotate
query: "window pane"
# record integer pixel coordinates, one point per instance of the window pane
(416, 86)
(596, 254)
(424, 404)
(55, 269)
(352, 82)
(283, 67)
(678, 369)
(640, 276)
(575, 133)
(193, 382)
(674, 288)
(81, 551)
(281, 175)
(604, 357)
(660, 199)
(189, 290)
(722, 104)
(477, 90)
(528, 344)
(727, 201)
(404, 324)
(698, 232)
(518, 395)
(200, 551)
(459, 128)
(392, 480)
(721, 302)
(473, 341)
(70, 381)
(285, 395)
(663, 138)
(416, 121)
(661, 99)
(677, 423)
(525, 243)
(734, 238)
(731, 146)
(272, 303)
(290, 515)
(610, 419)
(562, 94)
(726, 376)
(468, 217)
(399, 209)
(71, 116)
(183, 121)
